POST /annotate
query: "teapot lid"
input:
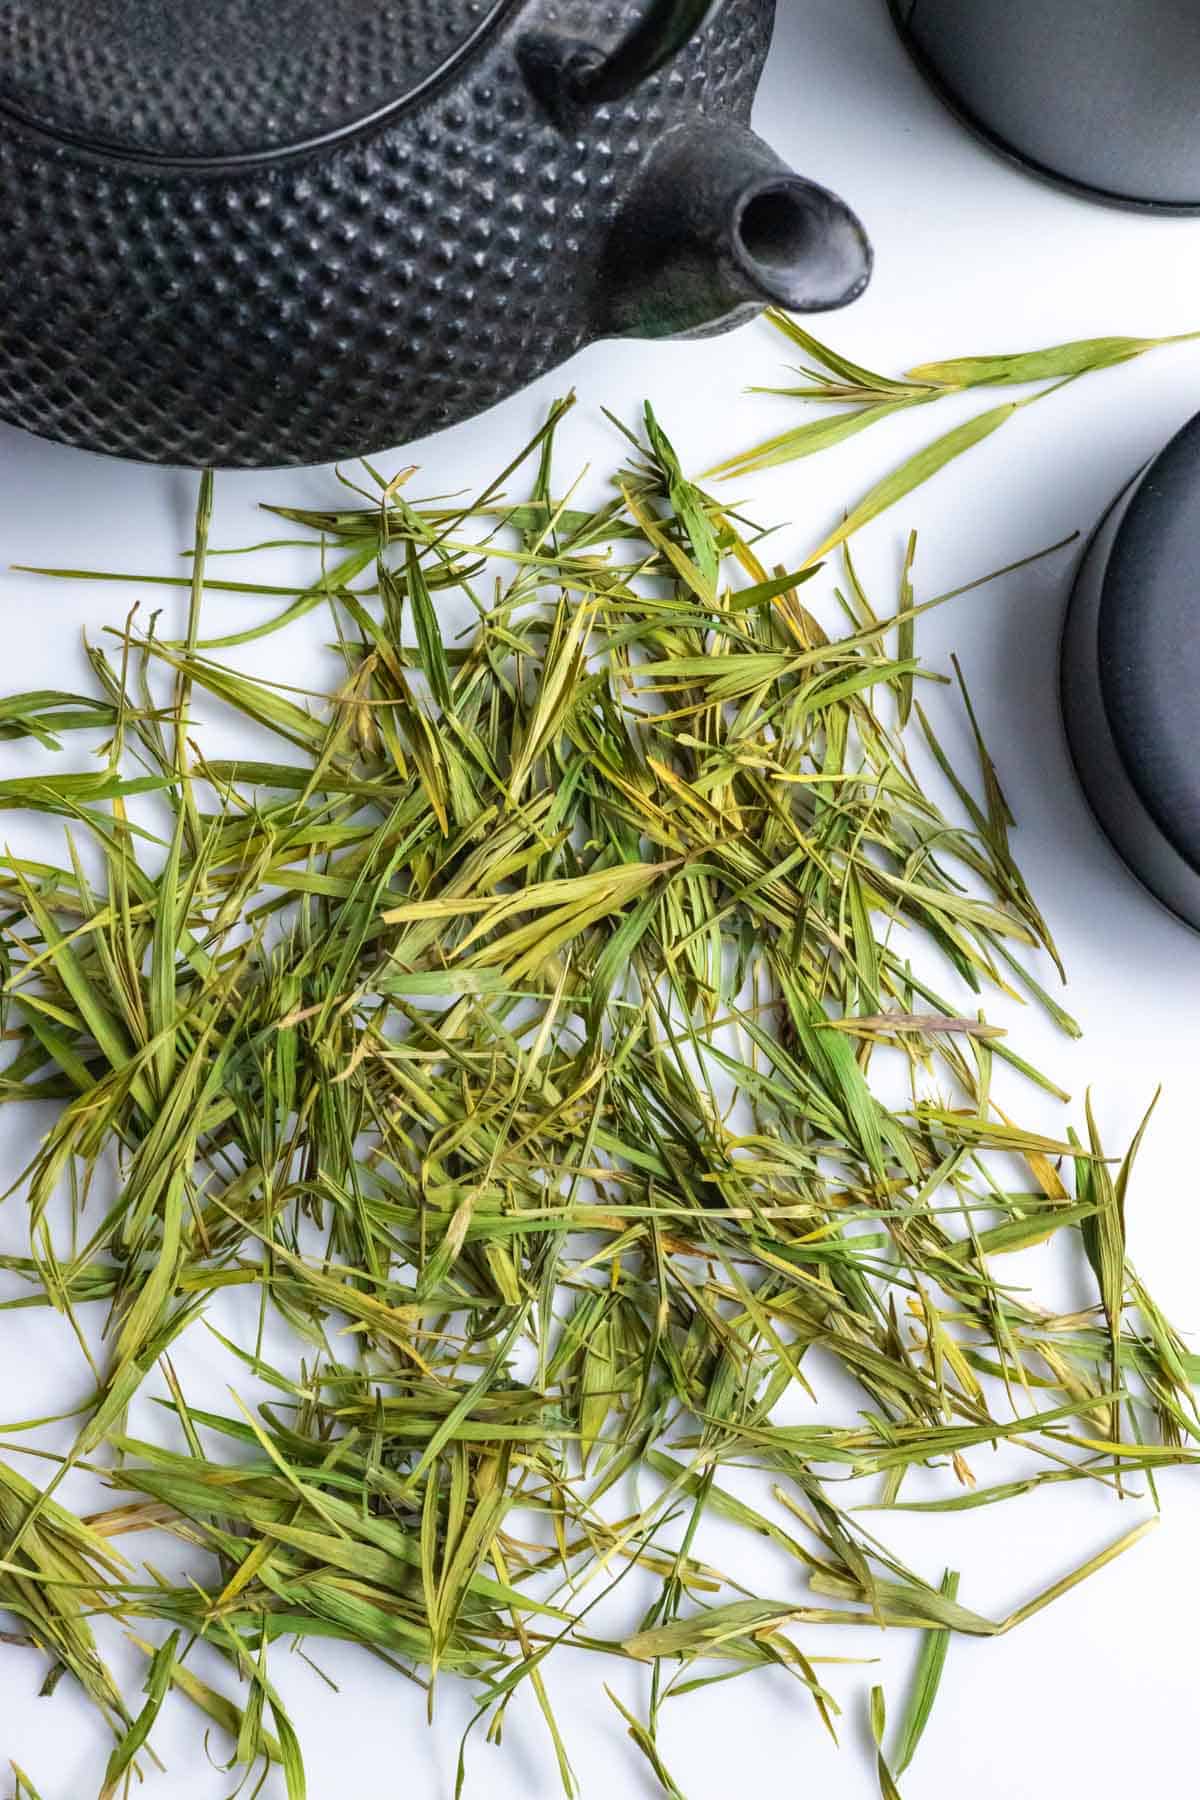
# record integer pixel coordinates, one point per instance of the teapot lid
(222, 80)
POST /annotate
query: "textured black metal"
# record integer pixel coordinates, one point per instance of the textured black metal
(1099, 96)
(323, 304)
(1131, 675)
(189, 79)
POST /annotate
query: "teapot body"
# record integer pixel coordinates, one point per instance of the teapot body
(266, 276)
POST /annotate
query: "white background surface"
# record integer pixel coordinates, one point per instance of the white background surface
(1097, 1695)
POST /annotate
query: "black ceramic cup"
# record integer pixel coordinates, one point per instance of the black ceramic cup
(1102, 95)
(1131, 675)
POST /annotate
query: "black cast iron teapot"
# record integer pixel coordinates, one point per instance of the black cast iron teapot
(253, 232)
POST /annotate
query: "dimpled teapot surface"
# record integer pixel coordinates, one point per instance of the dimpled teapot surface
(254, 232)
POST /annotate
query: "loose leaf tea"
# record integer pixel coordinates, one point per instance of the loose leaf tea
(867, 398)
(571, 1033)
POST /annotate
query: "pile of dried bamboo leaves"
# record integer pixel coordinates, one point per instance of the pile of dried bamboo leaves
(513, 1035)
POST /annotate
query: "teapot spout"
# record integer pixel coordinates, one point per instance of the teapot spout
(720, 228)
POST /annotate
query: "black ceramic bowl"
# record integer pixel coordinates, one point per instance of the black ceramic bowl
(1131, 675)
(1102, 96)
